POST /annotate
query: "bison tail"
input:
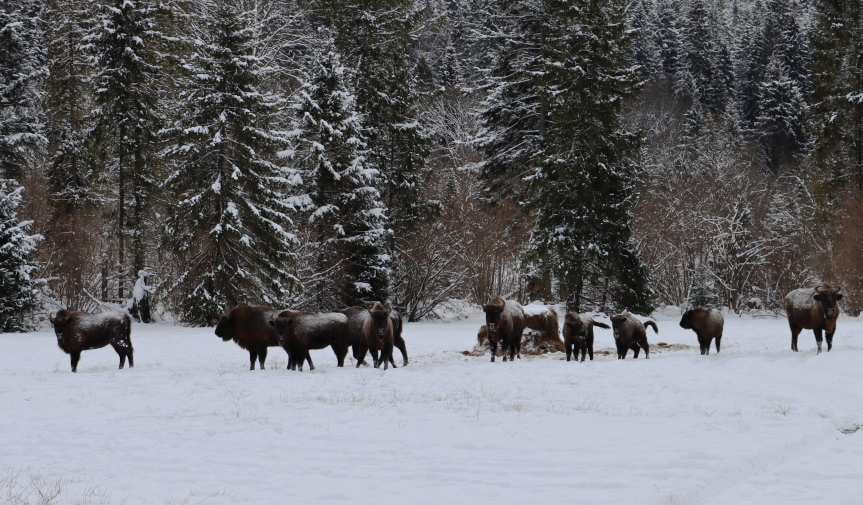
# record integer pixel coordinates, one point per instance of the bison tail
(127, 326)
(600, 325)
(652, 325)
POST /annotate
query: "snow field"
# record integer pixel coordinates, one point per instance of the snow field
(190, 424)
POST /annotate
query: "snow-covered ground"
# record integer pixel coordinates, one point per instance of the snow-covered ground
(756, 424)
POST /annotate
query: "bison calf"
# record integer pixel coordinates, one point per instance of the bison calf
(298, 333)
(249, 327)
(813, 309)
(578, 335)
(80, 331)
(707, 324)
(629, 333)
(504, 322)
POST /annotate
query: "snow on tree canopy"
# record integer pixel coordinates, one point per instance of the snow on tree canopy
(17, 260)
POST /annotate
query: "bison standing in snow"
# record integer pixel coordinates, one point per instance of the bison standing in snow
(249, 327)
(80, 331)
(504, 322)
(578, 334)
(630, 333)
(299, 332)
(813, 309)
(707, 324)
(357, 327)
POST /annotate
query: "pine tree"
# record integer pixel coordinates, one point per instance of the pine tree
(125, 40)
(645, 53)
(705, 72)
(702, 292)
(451, 74)
(230, 227)
(17, 260)
(347, 214)
(580, 192)
(22, 67)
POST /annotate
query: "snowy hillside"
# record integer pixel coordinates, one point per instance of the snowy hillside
(757, 424)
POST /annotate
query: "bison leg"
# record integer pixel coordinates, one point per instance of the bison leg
(375, 361)
(568, 348)
(340, 351)
(253, 355)
(795, 332)
(399, 342)
(309, 359)
(493, 346)
(75, 357)
(121, 352)
(646, 348)
(262, 356)
(818, 338)
(635, 351)
(717, 344)
(829, 341)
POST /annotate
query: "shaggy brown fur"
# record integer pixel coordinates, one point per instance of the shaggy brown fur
(707, 324)
(298, 333)
(546, 324)
(629, 333)
(504, 320)
(248, 327)
(357, 317)
(813, 309)
(378, 331)
(80, 331)
(578, 334)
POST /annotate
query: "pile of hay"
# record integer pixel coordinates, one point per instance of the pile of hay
(541, 335)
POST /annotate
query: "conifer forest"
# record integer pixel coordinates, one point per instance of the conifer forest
(180, 157)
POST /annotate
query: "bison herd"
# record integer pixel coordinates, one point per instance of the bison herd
(377, 330)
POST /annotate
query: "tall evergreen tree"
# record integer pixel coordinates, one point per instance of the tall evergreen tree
(645, 53)
(22, 67)
(668, 38)
(230, 226)
(781, 119)
(125, 40)
(581, 191)
(347, 214)
(17, 260)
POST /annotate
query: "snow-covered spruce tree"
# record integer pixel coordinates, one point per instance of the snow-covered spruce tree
(667, 37)
(22, 67)
(125, 41)
(375, 37)
(17, 260)
(705, 71)
(645, 54)
(230, 226)
(348, 217)
(581, 191)
(702, 292)
(66, 103)
(781, 121)
(513, 114)
(837, 41)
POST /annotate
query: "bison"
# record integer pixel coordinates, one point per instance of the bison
(504, 321)
(707, 324)
(814, 309)
(80, 331)
(357, 317)
(578, 334)
(299, 332)
(249, 327)
(630, 333)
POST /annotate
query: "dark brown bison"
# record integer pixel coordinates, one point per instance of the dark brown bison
(630, 333)
(813, 309)
(249, 327)
(504, 321)
(299, 332)
(707, 324)
(578, 334)
(357, 317)
(80, 331)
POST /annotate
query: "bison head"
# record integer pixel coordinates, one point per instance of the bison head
(224, 329)
(575, 324)
(493, 312)
(58, 321)
(829, 298)
(380, 318)
(687, 320)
